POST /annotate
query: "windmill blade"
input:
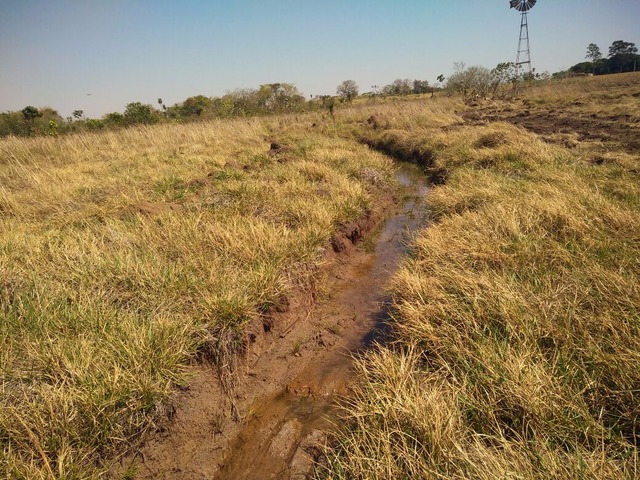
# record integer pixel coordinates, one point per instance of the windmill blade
(522, 5)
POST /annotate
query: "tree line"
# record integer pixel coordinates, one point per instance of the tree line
(275, 98)
(271, 98)
(623, 57)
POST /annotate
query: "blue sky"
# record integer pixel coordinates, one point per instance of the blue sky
(55, 52)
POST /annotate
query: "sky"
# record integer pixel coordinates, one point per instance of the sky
(99, 55)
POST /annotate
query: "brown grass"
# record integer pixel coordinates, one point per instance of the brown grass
(517, 319)
(126, 255)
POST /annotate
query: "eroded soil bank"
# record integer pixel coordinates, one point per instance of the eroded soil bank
(272, 424)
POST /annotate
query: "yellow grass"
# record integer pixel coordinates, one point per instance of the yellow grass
(105, 299)
(125, 256)
(516, 321)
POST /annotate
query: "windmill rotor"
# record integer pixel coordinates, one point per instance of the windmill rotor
(522, 5)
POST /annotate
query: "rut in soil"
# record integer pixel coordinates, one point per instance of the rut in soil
(285, 397)
(286, 431)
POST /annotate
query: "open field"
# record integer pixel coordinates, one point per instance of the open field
(517, 318)
(127, 257)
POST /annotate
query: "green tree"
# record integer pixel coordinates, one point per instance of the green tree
(593, 52)
(195, 106)
(139, 113)
(53, 128)
(623, 56)
(348, 90)
(30, 113)
(620, 47)
(113, 118)
(13, 123)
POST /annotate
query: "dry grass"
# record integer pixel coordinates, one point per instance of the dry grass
(517, 319)
(124, 255)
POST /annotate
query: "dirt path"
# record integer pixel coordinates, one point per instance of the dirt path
(272, 425)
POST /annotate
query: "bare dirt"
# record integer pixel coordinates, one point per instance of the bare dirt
(567, 125)
(273, 423)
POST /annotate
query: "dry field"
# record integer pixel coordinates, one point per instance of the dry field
(516, 349)
(127, 256)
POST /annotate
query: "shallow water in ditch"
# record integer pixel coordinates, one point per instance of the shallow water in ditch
(283, 431)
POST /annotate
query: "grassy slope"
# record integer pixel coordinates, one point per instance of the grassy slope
(517, 350)
(102, 307)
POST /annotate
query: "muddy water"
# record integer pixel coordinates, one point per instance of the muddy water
(283, 430)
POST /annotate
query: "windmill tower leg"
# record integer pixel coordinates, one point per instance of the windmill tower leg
(524, 53)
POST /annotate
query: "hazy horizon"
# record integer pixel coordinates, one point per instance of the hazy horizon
(55, 53)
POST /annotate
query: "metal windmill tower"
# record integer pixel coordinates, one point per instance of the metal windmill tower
(524, 50)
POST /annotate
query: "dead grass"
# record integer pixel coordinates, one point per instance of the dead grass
(517, 319)
(126, 255)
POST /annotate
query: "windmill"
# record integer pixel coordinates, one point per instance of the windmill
(524, 52)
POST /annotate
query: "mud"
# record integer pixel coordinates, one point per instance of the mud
(551, 124)
(273, 424)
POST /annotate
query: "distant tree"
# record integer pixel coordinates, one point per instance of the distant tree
(77, 114)
(114, 118)
(623, 56)
(582, 67)
(471, 82)
(29, 121)
(503, 74)
(12, 123)
(94, 124)
(622, 48)
(329, 103)
(240, 102)
(53, 128)
(347, 90)
(194, 106)
(139, 113)
(593, 52)
(223, 107)
(279, 97)
(421, 86)
(30, 113)
(441, 78)
(400, 86)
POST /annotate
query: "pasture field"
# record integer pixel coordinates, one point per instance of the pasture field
(127, 256)
(516, 334)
